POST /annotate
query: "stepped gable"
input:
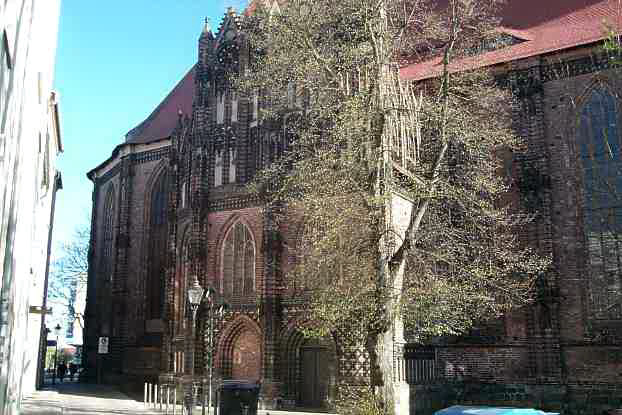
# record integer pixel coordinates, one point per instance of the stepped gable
(542, 26)
(162, 121)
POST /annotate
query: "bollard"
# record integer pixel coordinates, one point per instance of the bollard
(161, 393)
(175, 400)
(145, 393)
(148, 394)
(168, 396)
(155, 395)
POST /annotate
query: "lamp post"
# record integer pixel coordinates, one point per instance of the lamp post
(195, 295)
(57, 330)
(215, 310)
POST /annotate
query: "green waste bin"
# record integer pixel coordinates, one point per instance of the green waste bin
(238, 397)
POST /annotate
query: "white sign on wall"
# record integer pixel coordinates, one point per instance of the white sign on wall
(103, 345)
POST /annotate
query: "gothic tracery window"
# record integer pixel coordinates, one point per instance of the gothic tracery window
(108, 236)
(599, 144)
(158, 228)
(238, 261)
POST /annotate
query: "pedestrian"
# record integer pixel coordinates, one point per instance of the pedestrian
(62, 369)
(73, 368)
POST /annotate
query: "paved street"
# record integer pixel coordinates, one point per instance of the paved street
(71, 398)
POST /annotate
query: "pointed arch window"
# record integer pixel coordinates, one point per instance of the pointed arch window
(108, 236)
(599, 145)
(158, 229)
(238, 261)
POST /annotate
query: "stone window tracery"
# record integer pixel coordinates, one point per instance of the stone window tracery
(108, 236)
(158, 229)
(238, 261)
(598, 145)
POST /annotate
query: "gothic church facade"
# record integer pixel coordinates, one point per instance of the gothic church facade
(169, 203)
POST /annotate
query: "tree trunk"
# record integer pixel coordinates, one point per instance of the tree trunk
(386, 345)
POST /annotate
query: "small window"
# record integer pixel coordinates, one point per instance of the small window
(232, 164)
(255, 106)
(220, 108)
(184, 194)
(218, 167)
(234, 108)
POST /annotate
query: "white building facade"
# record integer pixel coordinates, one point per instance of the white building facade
(30, 141)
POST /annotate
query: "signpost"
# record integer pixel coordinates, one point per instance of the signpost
(102, 348)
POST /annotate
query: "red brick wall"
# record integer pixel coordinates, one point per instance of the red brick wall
(246, 360)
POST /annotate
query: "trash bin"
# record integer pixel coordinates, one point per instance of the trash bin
(238, 397)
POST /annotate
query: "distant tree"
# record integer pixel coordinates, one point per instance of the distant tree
(69, 274)
(356, 137)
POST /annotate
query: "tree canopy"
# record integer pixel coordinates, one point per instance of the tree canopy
(365, 146)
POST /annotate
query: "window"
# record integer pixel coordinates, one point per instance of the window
(220, 108)
(234, 108)
(108, 236)
(255, 106)
(598, 144)
(183, 194)
(218, 167)
(158, 230)
(238, 261)
(232, 164)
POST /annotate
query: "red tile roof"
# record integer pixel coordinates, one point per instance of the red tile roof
(163, 120)
(544, 25)
(547, 26)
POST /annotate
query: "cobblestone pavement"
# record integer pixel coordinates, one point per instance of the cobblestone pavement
(81, 399)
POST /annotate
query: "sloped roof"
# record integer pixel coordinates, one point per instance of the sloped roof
(163, 120)
(545, 26)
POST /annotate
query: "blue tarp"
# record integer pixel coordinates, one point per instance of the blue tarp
(489, 410)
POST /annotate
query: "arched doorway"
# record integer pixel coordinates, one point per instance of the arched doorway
(308, 370)
(317, 374)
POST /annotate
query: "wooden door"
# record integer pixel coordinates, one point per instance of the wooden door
(314, 375)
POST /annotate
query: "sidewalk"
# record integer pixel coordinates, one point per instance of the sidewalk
(81, 399)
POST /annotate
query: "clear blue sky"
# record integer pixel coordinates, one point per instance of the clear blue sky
(115, 62)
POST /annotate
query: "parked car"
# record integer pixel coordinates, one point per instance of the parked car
(490, 410)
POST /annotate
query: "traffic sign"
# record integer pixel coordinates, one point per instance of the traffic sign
(103, 345)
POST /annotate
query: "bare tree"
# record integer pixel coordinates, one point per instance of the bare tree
(68, 275)
(397, 185)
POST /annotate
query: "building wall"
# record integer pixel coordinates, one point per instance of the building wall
(30, 142)
(555, 354)
(552, 354)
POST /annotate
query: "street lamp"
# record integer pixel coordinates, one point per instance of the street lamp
(215, 310)
(57, 330)
(195, 295)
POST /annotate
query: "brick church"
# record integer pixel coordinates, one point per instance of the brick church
(169, 204)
